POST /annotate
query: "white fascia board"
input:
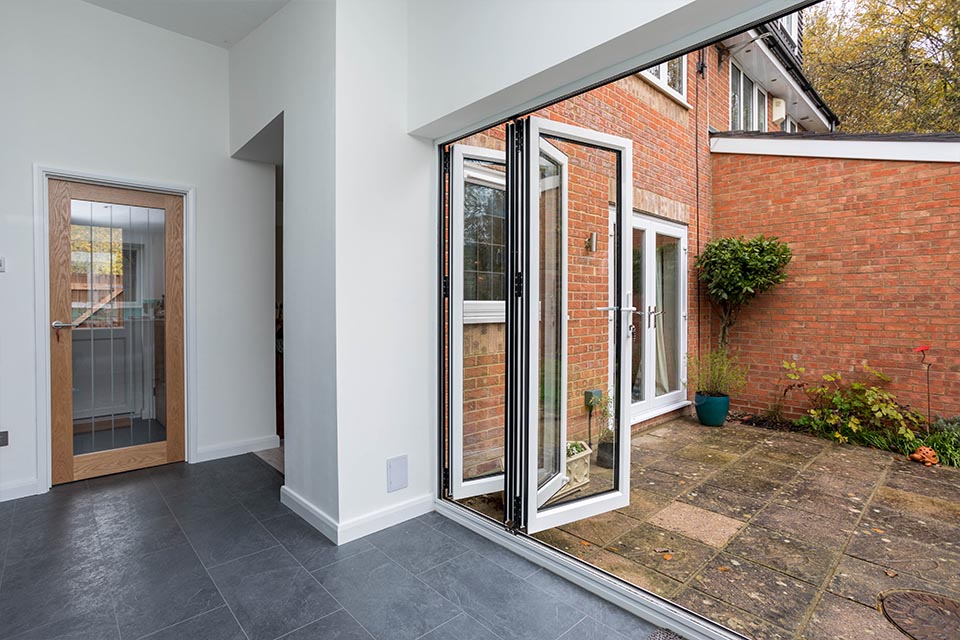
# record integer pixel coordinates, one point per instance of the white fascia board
(896, 150)
(793, 83)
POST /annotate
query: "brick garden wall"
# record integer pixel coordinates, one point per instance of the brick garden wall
(875, 273)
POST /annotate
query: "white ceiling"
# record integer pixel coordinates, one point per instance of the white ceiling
(219, 22)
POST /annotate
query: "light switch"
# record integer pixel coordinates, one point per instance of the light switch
(396, 473)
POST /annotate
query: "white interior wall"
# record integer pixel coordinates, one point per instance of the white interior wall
(87, 89)
(287, 65)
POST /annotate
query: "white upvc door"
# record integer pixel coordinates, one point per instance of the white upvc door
(551, 300)
(658, 363)
(484, 171)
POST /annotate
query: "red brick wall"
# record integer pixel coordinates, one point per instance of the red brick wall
(875, 273)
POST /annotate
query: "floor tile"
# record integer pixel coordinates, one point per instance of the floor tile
(218, 624)
(310, 547)
(271, 594)
(731, 617)
(416, 546)
(760, 591)
(490, 550)
(510, 607)
(51, 587)
(433, 518)
(784, 553)
(386, 599)
(610, 615)
(664, 551)
(97, 624)
(131, 536)
(58, 498)
(161, 589)
(200, 501)
(463, 627)
(226, 534)
(590, 629)
(336, 626)
(693, 522)
(264, 504)
(49, 530)
(839, 619)
(179, 478)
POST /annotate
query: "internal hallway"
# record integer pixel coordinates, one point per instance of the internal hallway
(207, 551)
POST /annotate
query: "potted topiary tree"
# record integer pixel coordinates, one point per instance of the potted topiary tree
(714, 378)
(735, 271)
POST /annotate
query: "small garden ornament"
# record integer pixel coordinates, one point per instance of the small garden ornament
(926, 456)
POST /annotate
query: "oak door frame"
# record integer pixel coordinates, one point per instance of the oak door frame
(41, 229)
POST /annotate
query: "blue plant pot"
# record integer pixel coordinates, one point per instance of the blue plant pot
(711, 410)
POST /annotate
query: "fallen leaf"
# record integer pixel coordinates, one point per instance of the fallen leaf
(875, 530)
(724, 569)
(668, 556)
(585, 543)
(890, 573)
(614, 548)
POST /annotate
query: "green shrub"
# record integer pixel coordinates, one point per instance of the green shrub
(574, 447)
(735, 271)
(861, 413)
(719, 374)
(944, 438)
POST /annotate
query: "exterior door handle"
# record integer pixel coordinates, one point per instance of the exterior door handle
(623, 309)
(64, 325)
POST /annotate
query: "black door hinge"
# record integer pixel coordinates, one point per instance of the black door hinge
(446, 161)
(517, 517)
(446, 479)
(518, 283)
(446, 286)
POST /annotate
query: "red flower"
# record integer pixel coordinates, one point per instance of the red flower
(921, 349)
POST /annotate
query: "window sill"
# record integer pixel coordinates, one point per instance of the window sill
(673, 95)
(654, 412)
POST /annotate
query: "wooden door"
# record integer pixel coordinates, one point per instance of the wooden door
(116, 336)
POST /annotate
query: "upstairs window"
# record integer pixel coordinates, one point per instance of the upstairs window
(748, 102)
(671, 76)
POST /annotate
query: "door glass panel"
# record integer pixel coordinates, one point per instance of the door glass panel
(578, 354)
(551, 305)
(667, 317)
(117, 307)
(637, 390)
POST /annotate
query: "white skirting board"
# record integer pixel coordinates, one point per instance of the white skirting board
(235, 448)
(20, 489)
(355, 528)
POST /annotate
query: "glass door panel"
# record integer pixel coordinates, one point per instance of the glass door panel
(117, 293)
(477, 223)
(578, 313)
(660, 324)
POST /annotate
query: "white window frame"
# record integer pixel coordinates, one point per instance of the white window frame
(463, 312)
(652, 405)
(661, 80)
(789, 125)
(760, 123)
(790, 24)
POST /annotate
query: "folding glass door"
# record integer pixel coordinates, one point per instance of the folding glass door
(539, 307)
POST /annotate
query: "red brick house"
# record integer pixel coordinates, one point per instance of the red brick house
(698, 125)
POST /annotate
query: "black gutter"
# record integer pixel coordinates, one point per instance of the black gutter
(788, 59)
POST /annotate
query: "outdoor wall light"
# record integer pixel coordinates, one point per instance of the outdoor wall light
(591, 243)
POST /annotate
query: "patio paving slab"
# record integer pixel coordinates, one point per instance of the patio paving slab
(567, 543)
(839, 619)
(863, 582)
(657, 481)
(804, 497)
(788, 554)
(693, 522)
(904, 555)
(706, 455)
(730, 616)
(637, 574)
(817, 529)
(644, 503)
(729, 503)
(662, 550)
(602, 529)
(746, 484)
(762, 592)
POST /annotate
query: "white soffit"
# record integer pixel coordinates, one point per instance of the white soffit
(220, 22)
(854, 149)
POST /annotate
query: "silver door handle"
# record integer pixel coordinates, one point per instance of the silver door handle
(64, 325)
(623, 309)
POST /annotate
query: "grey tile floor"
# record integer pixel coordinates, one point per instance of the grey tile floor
(207, 552)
